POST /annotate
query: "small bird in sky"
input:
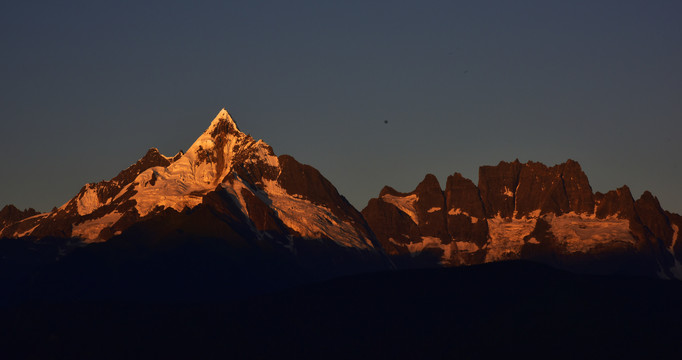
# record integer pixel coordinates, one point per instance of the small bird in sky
(385, 121)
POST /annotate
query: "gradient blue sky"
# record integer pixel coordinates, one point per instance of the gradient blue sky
(88, 86)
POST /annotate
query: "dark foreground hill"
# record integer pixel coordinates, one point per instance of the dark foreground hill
(506, 309)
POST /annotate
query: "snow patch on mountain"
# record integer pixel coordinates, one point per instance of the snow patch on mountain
(29, 224)
(577, 233)
(676, 231)
(582, 233)
(24, 233)
(533, 214)
(311, 220)
(404, 204)
(235, 188)
(263, 154)
(433, 209)
(676, 268)
(36, 217)
(89, 230)
(173, 188)
(88, 201)
(506, 237)
(533, 240)
(458, 211)
(430, 242)
(466, 246)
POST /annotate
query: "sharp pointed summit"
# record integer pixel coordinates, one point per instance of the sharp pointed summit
(229, 172)
(222, 124)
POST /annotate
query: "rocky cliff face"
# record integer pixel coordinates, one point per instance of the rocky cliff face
(10, 214)
(416, 214)
(529, 211)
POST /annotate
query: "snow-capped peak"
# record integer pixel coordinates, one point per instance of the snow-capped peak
(225, 159)
(223, 115)
(221, 126)
(199, 170)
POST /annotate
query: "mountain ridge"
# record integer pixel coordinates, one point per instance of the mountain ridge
(227, 210)
(527, 211)
(222, 158)
(516, 211)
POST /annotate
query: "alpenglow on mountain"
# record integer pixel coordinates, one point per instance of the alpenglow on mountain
(274, 214)
(256, 220)
(533, 212)
(272, 194)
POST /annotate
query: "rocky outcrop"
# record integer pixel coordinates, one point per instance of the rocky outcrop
(653, 217)
(465, 217)
(517, 190)
(430, 209)
(532, 211)
(619, 203)
(415, 222)
(577, 188)
(497, 185)
(540, 188)
(10, 214)
(392, 227)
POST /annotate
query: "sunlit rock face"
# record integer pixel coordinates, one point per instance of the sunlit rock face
(465, 215)
(412, 223)
(530, 211)
(270, 201)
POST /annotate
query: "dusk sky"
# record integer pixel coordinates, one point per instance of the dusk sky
(87, 87)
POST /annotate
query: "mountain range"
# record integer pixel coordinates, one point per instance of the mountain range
(230, 186)
(229, 251)
(529, 211)
(227, 208)
(261, 222)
